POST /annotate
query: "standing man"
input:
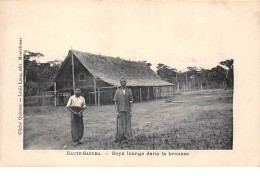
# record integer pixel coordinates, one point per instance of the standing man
(123, 103)
(77, 105)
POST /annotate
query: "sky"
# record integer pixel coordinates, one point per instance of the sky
(177, 34)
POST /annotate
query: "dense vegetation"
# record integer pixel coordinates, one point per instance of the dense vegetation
(210, 78)
(38, 76)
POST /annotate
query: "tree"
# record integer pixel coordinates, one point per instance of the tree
(38, 76)
(228, 63)
(229, 73)
(166, 73)
(27, 62)
(217, 74)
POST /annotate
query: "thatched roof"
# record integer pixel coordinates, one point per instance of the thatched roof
(110, 70)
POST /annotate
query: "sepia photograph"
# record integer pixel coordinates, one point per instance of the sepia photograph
(103, 102)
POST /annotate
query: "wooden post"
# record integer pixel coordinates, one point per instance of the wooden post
(55, 99)
(98, 97)
(148, 94)
(110, 96)
(201, 85)
(156, 93)
(43, 103)
(153, 92)
(58, 102)
(178, 86)
(95, 90)
(183, 85)
(141, 99)
(73, 76)
(172, 91)
(227, 74)
(168, 92)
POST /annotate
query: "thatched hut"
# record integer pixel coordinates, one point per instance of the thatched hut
(98, 76)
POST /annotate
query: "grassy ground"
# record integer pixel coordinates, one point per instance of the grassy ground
(199, 120)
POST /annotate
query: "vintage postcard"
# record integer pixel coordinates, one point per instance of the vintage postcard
(129, 83)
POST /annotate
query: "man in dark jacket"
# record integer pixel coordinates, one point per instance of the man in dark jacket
(123, 103)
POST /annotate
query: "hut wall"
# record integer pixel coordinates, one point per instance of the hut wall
(65, 80)
(144, 92)
(163, 92)
(86, 82)
(135, 92)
